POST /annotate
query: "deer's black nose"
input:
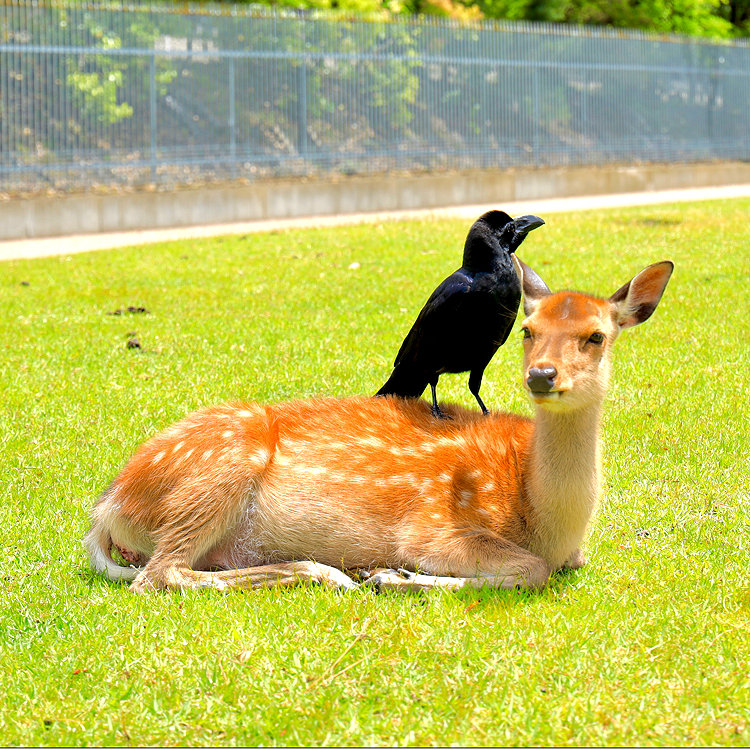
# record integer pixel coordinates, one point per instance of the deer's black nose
(541, 379)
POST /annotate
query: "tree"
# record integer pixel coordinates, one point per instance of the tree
(713, 18)
(737, 12)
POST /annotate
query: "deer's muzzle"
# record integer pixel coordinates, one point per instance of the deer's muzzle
(541, 379)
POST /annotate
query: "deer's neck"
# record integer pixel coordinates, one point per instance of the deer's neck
(563, 480)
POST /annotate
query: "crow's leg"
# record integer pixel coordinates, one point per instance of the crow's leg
(436, 411)
(475, 383)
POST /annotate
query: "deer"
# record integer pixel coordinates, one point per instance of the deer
(356, 491)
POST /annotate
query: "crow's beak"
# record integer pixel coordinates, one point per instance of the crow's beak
(524, 224)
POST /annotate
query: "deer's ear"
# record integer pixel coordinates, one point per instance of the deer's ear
(531, 283)
(636, 300)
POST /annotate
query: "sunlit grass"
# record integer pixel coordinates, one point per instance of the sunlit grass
(646, 645)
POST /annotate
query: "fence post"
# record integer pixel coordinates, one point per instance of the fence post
(535, 114)
(302, 107)
(232, 134)
(713, 93)
(152, 111)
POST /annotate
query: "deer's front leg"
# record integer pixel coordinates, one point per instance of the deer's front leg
(406, 580)
(500, 565)
(389, 579)
(460, 557)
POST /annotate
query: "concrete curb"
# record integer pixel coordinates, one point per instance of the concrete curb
(80, 243)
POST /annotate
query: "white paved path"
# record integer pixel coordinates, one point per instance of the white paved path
(81, 243)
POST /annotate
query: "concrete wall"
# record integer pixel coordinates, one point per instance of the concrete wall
(90, 213)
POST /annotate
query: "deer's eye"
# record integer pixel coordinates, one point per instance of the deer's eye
(596, 338)
(526, 332)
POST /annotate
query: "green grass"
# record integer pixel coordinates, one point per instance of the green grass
(646, 645)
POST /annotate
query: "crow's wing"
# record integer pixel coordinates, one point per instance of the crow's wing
(505, 325)
(439, 308)
(508, 298)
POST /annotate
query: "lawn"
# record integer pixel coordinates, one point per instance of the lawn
(649, 644)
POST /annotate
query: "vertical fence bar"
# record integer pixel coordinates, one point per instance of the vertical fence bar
(5, 59)
(302, 106)
(152, 112)
(536, 111)
(232, 115)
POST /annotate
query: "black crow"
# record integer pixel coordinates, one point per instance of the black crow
(468, 316)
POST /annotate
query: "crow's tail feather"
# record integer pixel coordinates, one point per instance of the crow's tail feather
(404, 384)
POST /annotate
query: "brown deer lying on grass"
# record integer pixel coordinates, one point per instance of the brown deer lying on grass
(246, 495)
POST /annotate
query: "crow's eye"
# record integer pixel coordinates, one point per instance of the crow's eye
(526, 332)
(596, 338)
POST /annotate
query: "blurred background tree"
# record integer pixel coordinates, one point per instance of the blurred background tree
(713, 18)
(708, 18)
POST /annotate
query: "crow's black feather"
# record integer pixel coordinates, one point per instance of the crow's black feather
(468, 316)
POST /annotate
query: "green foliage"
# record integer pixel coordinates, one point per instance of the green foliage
(646, 645)
(708, 18)
(97, 95)
(96, 81)
(689, 17)
(366, 7)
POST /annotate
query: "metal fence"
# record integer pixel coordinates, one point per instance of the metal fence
(93, 94)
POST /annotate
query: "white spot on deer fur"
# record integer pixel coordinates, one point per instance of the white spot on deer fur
(281, 459)
(444, 477)
(187, 455)
(244, 413)
(435, 516)
(483, 511)
(403, 479)
(466, 495)
(158, 457)
(447, 441)
(488, 487)
(297, 445)
(207, 454)
(371, 442)
(260, 456)
(475, 474)
(337, 446)
(178, 446)
(346, 478)
(227, 433)
(171, 431)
